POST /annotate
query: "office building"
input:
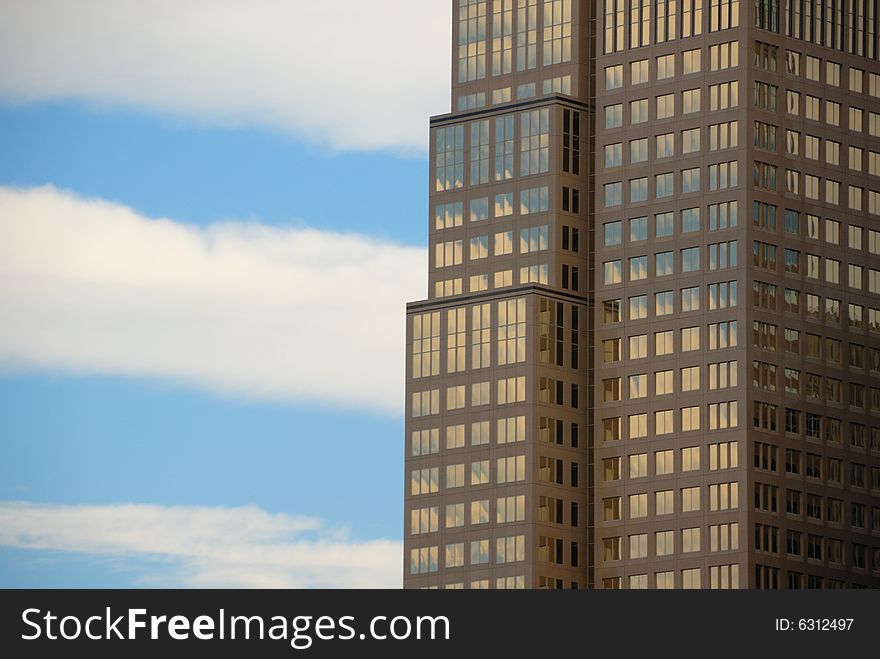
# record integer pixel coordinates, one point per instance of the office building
(650, 356)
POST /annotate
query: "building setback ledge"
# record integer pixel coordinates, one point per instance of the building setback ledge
(536, 289)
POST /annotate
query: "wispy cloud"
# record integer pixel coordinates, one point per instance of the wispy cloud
(349, 73)
(242, 309)
(206, 547)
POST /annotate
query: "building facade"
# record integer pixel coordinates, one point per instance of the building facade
(650, 356)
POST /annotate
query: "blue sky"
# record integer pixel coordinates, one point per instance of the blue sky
(176, 407)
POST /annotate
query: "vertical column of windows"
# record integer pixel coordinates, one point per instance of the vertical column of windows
(526, 34)
(471, 40)
(502, 37)
(557, 31)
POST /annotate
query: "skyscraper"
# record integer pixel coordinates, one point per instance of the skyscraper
(650, 353)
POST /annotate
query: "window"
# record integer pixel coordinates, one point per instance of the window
(766, 95)
(504, 146)
(613, 119)
(534, 141)
(690, 299)
(812, 68)
(722, 216)
(724, 95)
(690, 458)
(832, 73)
(811, 107)
(723, 175)
(724, 14)
(690, 377)
(613, 77)
(764, 175)
(765, 136)
(665, 106)
(723, 415)
(724, 56)
(792, 103)
(663, 262)
(426, 345)
(690, 499)
(690, 259)
(690, 101)
(424, 560)
(638, 150)
(723, 136)
(664, 226)
(638, 189)
(690, 220)
(449, 170)
(613, 194)
(425, 442)
(663, 383)
(638, 72)
(447, 216)
(638, 268)
(665, 66)
(664, 185)
(613, 155)
(663, 303)
(691, 61)
(724, 255)
(638, 346)
(638, 111)
(665, 145)
(765, 56)
(663, 344)
(690, 140)
(690, 180)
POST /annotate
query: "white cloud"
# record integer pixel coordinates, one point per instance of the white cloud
(354, 74)
(206, 547)
(237, 308)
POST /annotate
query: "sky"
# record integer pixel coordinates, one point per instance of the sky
(212, 214)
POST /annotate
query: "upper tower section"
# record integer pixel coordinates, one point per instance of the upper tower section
(509, 50)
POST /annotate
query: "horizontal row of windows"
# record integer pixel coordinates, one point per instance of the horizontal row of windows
(814, 426)
(811, 69)
(812, 506)
(509, 430)
(508, 391)
(530, 201)
(662, 544)
(721, 96)
(538, 273)
(852, 29)
(723, 577)
(510, 469)
(721, 176)
(810, 107)
(425, 560)
(626, 26)
(719, 256)
(723, 215)
(720, 375)
(723, 455)
(720, 416)
(508, 510)
(664, 346)
(500, 95)
(821, 468)
(721, 136)
(664, 302)
(721, 56)
(455, 252)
